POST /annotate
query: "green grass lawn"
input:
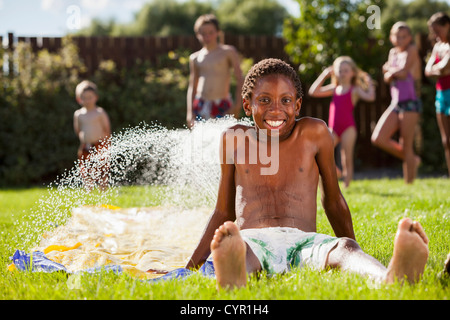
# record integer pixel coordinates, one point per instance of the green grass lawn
(376, 206)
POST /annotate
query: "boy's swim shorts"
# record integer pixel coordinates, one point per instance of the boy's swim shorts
(281, 249)
(204, 109)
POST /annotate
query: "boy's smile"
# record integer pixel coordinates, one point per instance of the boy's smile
(274, 105)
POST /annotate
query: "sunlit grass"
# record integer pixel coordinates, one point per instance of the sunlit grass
(376, 206)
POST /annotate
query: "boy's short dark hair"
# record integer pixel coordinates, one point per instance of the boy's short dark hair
(267, 67)
(204, 19)
(85, 85)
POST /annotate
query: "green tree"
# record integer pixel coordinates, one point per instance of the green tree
(255, 17)
(415, 13)
(172, 17)
(157, 18)
(99, 28)
(167, 17)
(327, 29)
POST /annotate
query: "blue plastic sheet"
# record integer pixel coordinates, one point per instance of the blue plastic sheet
(35, 262)
(207, 270)
(38, 262)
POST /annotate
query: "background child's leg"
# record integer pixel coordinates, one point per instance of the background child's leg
(384, 130)
(444, 127)
(348, 140)
(408, 122)
(337, 154)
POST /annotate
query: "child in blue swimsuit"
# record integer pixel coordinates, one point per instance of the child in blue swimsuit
(439, 66)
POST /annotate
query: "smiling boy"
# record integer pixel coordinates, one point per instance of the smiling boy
(268, 222)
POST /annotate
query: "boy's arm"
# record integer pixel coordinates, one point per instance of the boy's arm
(192, 89)
(317, 89)
(333, 201)
(223, 212)
(76, 126)
(106, 124)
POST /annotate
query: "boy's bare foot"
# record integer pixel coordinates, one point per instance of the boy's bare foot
(228, 251)
(410, 252)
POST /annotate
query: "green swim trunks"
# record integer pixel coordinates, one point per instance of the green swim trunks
(280, 249)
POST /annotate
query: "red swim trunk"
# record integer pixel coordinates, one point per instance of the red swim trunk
(94, 164)
(204, 109)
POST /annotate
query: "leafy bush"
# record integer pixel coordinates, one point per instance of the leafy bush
(37, 102)
(36, 136)
(145, 93)
(327, 29)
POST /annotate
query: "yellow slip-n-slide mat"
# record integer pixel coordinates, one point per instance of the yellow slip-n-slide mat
(145, 242)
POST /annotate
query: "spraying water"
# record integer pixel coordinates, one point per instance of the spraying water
(179, 169)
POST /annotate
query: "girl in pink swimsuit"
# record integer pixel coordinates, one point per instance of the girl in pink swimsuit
(341, 113)
(348, 85)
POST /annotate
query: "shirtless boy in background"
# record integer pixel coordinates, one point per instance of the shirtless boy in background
(91, 123)
(268, 222)
(208, 93)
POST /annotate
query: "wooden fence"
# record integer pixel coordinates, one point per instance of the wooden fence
(125, 51)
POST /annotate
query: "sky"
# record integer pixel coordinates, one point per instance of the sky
(54, 18)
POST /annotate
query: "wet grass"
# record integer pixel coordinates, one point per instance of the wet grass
(376, 206)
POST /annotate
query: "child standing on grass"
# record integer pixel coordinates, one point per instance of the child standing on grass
(208, 94)
(348, 85)
(439, 66)
(404, 111)
(268, 221)
(92, 126)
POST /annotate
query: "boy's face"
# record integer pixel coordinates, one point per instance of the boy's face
(274, 105)
(207, 34)
(88, 99)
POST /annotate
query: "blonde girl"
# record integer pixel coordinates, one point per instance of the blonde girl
(348, 85)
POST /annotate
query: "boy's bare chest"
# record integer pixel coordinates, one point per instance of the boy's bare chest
(213, 62)
(284, 170)
(89, 118)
